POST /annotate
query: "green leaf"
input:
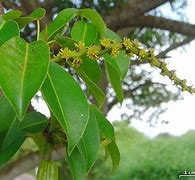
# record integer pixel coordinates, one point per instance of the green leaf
(33, 122)
(23, 70)
(37, 14)
(8, 29)
(105, 126)
(58, 23)
(123, 63)
(91, 68)
(85, 32)
(90, 142)
(77, 165)
(96, 91)
(64, 41)
(10, 139)
(67, 102)
(14, 14)
(112, 35)
(122, 60)
(48, 170)
(95, 18)
(113, 77)
(114, 154)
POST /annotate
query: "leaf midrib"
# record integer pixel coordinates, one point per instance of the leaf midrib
(31, 125)
(23, 75)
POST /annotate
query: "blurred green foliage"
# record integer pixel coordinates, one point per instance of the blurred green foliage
(143, 158)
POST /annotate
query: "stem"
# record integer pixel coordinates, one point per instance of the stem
(51, 42)
(38, 29)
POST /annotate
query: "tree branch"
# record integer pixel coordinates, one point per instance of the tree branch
(131, 10)
(26, 163)
(174, 46)
(1, 8)
(158, 22)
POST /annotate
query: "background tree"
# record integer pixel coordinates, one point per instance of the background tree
(136, 19)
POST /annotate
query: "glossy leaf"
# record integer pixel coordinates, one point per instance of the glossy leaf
(33, 122)
(8, 29)
(67, 102)
(48, 170)
(64, 41)
(95, 18)
(114, 154)
(121, 62)
(85, 32)
(37, 14)
(113, 77)
(58, 23)
(14, 14)
(92, 69)
(112, 35)
(23, 70)
(77, 165)
(10, 138)
(90, 142)
(105, 126)
(96, 91)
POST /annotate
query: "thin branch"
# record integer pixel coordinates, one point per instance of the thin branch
(175, 46)
(1, 8)
(26, 163)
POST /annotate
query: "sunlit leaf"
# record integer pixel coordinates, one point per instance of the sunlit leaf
(90, 142)
(95, 18)
(23, 69)
(12, 15)
(113, 77)
(114, 154)
(77, 165)
(8, 29)
(85, 32)
(96, 91)
(58, 23)
(105, 126)
(67, 102)
(37, 14)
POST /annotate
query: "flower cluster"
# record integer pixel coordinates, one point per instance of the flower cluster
(93, 52)
(113, 47)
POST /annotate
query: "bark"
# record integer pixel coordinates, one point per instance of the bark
(1, 8)
(131, 10)
(158, 22)
(26, 163)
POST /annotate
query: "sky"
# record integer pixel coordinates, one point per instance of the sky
(180, 114)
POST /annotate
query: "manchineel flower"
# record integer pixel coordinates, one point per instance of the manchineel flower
(105, 42)
(142, 53)
(65, 53)
(93, 52)
(79, 45)
(127, 43)
(76, 62)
